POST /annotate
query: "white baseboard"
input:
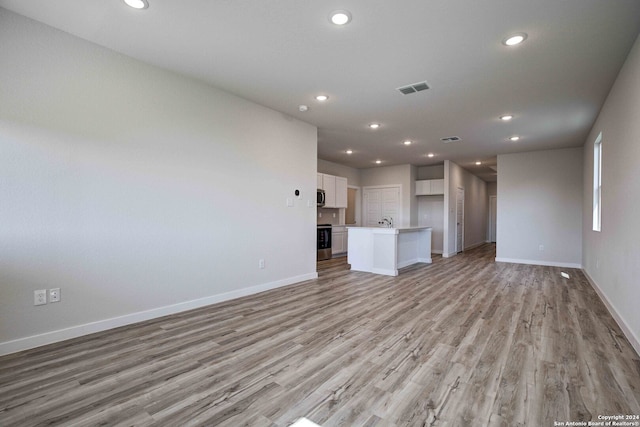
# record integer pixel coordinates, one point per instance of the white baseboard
(626, 330)
(536, 262)
(436, 251)
(27, 343)
(449, 255)
(384, 271)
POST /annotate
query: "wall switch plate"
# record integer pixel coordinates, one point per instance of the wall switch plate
(54, 295)
(289, 202)
(261, 264)
(40, 297)
(541, 248)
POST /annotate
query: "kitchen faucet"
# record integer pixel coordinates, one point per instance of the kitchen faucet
(386, 221)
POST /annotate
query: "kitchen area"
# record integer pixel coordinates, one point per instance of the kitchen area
(448, 199)
(332, 203)
(380, 246)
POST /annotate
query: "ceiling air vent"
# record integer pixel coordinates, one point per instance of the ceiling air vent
(413, 88)
(450, 139)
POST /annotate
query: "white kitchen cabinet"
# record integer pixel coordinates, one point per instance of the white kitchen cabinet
(329, 187)
(335, 190)
(423, 187)
(429, 187)
(338, 240)
(341, 192)
(437, 186)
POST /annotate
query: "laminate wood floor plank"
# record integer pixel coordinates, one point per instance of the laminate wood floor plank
(464, 341)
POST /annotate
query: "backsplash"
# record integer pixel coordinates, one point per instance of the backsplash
(328, 216)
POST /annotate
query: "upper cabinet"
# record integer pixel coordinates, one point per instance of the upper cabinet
(430, 187)
(335, 190)
(329, 187)
(341, 192)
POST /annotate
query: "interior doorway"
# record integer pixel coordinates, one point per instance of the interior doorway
(493, 216)
(459, 219)
(350, 214)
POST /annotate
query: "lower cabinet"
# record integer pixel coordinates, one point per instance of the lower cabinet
(338, 240)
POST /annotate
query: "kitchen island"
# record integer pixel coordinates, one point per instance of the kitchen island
(386, 250)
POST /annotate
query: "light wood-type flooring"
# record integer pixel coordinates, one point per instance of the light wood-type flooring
(464, 341)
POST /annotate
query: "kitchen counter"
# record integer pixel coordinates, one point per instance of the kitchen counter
(384, 250)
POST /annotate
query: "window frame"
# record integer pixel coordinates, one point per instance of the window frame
(597, 184)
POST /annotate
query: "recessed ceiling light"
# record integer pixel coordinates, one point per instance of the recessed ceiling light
(478, 163)
(349, 151)
(137, 4)
(506, 117)
(303, 108)
(322, 98)
(407, 142)
(514, 39)
(514, 138)
(374, 125)
(430, 155)
(378, 162)
(340, 17)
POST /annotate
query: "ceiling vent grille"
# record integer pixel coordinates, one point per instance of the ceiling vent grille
(413, 88)
(449, 139)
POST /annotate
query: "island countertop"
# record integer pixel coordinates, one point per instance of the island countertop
(392, 230)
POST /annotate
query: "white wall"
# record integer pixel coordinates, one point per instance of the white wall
(611, 258)
(430, 172)
(136, 191)
(475, 208)
(540, 203)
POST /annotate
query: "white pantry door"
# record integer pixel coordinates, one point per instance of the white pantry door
(380, 202)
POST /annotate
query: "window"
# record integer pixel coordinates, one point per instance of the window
(597, 183)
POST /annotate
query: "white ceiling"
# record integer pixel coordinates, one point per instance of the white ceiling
(282, 53)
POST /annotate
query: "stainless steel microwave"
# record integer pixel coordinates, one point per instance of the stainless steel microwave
(320, 197)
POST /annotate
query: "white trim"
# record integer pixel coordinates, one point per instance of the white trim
(464, 196)
(383, 271)
(27, 343)
(536, 262)
(494, 196)
(449, 255)
(436, 251)
(626, 330)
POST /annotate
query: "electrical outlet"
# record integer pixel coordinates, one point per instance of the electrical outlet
(261, 264)
(40, 297)
(54, 295)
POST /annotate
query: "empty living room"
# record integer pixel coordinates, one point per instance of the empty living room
(170, 173)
